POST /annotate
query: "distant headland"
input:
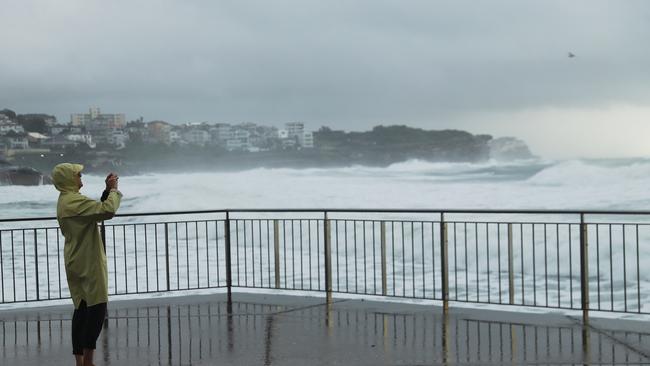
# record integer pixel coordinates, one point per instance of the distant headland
(104, 142)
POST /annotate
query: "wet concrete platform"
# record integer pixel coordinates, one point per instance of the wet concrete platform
(263, 329)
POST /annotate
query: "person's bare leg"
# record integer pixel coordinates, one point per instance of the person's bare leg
(88, 357)
(79, 360)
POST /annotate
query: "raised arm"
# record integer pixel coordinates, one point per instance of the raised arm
(84, 207)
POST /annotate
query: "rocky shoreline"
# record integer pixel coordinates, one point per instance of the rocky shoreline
(21, 175)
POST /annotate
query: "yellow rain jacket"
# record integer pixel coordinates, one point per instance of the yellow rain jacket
(85, 260)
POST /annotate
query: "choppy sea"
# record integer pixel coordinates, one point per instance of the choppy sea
(606, 184)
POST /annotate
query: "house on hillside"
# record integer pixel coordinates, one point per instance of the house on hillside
(35, 138)
(159, 132)
(6, 126)
(15, 141)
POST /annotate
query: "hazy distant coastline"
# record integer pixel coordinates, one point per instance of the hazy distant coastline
(380, 147)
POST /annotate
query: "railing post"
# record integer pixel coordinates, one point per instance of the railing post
(38, 295)
(444, 262)
(384, 282)
(276, 251)
(228, 258)
(328, 257)
(584, 269)
(511, 272)
(167, 254)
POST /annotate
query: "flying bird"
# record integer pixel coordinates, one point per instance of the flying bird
(571, 55)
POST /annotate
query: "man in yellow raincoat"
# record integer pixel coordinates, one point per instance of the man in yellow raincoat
(85, 260)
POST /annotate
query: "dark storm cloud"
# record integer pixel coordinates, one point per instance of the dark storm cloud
(347, 64)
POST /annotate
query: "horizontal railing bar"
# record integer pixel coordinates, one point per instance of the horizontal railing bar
(161, 291)
(163, 222)
(379, 210)
(136, 214)
(551, 223)
(168, 213)
(379, 221)
(279, 219)
(30, 229)
(359, 220)
(437, 211)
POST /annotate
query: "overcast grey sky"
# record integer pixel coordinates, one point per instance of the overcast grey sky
(498, 67)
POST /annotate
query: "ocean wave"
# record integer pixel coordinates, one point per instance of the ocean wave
(593, 173)
(576, 184)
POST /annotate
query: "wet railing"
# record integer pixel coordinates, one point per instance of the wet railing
(588, 261)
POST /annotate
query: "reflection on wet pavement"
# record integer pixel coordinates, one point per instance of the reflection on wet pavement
(291, 330)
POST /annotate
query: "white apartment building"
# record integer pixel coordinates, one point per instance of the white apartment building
(307, 140)
(239, 141)
(196, 136)
(221, 133)
(242, 135)
(85, 138)
(94, 115)
(295, 129)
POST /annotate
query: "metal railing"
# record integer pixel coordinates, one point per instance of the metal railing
(588, 261)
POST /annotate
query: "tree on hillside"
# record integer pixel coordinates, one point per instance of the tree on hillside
(9, 113)
(32, 122)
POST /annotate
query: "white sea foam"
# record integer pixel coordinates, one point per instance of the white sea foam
(577, 184)
(412, 184)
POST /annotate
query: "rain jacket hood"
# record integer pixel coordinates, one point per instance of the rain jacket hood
(85, 260)
(63, 177)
